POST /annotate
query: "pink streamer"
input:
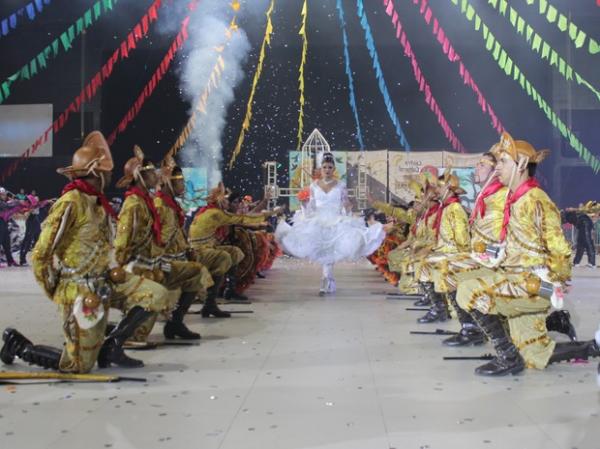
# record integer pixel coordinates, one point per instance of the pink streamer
(418, 74)
(453, 56)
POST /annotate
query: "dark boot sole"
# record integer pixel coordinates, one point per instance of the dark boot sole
(514, 372)
(463, 345)
(5, 356)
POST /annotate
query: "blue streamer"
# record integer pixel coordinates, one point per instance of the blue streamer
(30, 10)
(379, 74)
(359, 136)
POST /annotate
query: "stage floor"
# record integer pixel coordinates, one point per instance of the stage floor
(304, 372)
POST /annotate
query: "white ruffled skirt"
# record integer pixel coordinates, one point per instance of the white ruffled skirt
(328, 238)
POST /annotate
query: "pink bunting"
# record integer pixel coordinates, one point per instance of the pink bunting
(151, 85)
(453, 56)
(418, 74)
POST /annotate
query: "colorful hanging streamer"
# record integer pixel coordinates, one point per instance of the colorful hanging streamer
(359, 137)
(302, 33)
(261, 59)
(40, 62)
(453, 56)
(379, 74)
(421, 81)
(213, 82)
(565, 25)
(157, 77)
(140, 30)
(31, 9)
(540, 46)
(511, 70)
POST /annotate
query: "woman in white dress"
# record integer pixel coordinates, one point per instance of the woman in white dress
(324, 231)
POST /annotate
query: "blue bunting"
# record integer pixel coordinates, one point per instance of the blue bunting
(379, 73)
(31, 9)
(359, 136)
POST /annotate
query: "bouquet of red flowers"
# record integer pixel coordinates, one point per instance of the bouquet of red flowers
(303, 195)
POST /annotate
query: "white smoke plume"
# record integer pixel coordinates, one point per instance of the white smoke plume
(207, 30)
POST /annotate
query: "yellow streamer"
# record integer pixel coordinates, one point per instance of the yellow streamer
(213, 82)
(301, 76)
(261, 59)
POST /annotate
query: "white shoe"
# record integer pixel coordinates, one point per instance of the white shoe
(589, 265)
(331, 285)
(327, 286)
(324, 285)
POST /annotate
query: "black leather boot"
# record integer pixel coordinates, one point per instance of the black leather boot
(175, 327)
(573, 350)
(508, 360)
(469, 334)
(16, 345)
(437, 312)
(230, 283)
(210, 304)
(428, 293)
(112, 349)
(560, 321)
(42, 355)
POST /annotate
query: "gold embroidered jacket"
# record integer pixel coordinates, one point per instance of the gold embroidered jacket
(134, 239)
(76, 235)
(535, 238)
(454, 234)
(203, 230)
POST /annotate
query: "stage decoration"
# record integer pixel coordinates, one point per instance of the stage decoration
(553, 16)
(453, 56)
(421, 81)
(261, 59)
(151, 85)
(511, 70)
(31, 9)
(65, 40)
(302, 33)
(540, 46)
(379, 74)
(129, 44)
(352, 96)
(213, 82)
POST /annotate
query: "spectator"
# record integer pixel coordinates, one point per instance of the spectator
(32, 227)
(6, 207)
(21, 195)
(584, 226)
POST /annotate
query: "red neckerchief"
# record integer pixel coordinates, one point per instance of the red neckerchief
(413, 229)
(222, 232)
(205, 208)
(438, 218)
(432, 210)
(170, 202)
(480, 203)
(84, 187)
(156, 225)
(531, 183)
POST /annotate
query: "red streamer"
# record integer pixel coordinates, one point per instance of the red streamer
(418, 74)
(453, 56)
(151, 85)
(90, 90)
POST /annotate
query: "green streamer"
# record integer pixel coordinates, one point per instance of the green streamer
(547, 52)
(515, 73)
(553, 16)
(65, 40)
